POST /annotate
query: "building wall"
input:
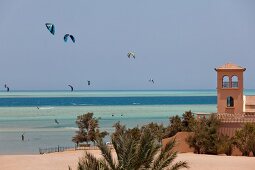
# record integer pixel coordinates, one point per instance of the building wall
(250, 104)
(236, 93)
(230, 128)
(230, 123)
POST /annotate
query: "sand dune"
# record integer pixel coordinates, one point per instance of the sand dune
(61, 161)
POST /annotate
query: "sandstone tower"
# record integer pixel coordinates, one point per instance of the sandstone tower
(230, 97)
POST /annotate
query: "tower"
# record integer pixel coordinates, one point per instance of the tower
(230, 89)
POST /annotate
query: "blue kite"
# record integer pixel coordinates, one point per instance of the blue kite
(71, 87)
(51, 28)
(71, 36)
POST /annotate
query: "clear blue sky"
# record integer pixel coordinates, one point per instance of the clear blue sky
(178, 43)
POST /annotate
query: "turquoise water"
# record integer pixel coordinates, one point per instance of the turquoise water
(109, 93)
(41, 131)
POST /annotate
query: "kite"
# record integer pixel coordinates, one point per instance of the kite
(131, 54)
(67, 36)
(71, 87)
(151, 80)
(56, 121)
(7, 88)
(51, 28)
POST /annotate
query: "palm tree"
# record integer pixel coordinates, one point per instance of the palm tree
(133, 154)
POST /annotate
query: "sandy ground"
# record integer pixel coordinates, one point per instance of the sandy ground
(61, 161)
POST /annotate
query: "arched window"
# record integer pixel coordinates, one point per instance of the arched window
(234, 80)
(225, 82)
(230, 101)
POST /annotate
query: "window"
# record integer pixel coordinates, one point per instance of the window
(234, 81)
(225, 82)
(230, 101)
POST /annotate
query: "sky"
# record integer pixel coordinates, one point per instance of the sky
(178, 43)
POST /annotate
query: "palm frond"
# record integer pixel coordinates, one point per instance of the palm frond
(179, 165)
(128, 157)
(146, 149)
(106, 152)
(118, 146)
(89, 162)
(165, 157)
(164, 161)
(136, 149)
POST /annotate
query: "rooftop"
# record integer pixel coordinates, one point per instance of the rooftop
(230, 66)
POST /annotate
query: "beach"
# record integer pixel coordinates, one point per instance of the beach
(61, 161)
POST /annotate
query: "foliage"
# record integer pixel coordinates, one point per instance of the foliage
(177, 124)
(225, 145)
(137, 153)
(188, 121)
(133, 133)
(244, 139)
(88, 129)
(158, 130)
(205, 138)
(89, 162)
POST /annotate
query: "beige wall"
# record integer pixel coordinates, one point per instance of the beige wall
(223, 93)
(250, 104)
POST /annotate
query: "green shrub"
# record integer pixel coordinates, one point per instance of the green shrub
(205, 139)
(245, 139)
(225, 145)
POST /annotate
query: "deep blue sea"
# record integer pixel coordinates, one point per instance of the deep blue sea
(105, 101)
(33, 113)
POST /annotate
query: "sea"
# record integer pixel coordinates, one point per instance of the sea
(34, 113)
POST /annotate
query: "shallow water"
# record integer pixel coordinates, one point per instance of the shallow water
(41, 131)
